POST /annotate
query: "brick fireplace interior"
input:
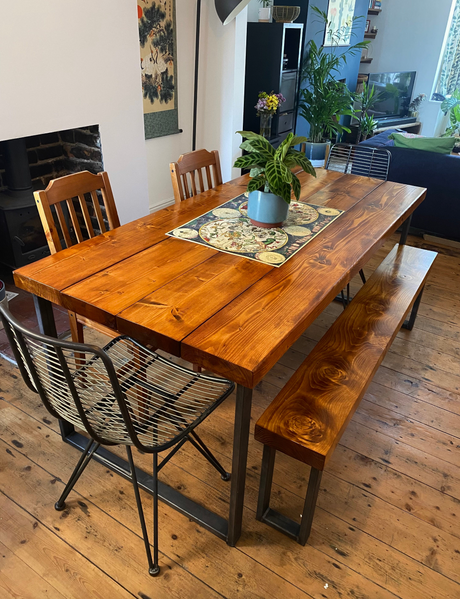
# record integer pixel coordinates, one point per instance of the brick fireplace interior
(27, 165)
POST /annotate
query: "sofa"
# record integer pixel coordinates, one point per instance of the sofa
(439, 213)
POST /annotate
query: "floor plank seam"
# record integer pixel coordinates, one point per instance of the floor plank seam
(63, 539)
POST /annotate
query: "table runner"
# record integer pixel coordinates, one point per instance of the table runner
(228, 229)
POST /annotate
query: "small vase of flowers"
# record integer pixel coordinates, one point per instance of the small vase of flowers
(266, 107)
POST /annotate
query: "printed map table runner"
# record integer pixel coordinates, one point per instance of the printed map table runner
(228, 229)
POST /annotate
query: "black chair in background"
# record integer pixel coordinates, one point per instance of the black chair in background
(359, 160)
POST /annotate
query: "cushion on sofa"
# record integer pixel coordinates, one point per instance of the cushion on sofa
(439, 145)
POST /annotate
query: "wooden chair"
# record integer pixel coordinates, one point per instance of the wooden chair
(69, 199)
(189, 172)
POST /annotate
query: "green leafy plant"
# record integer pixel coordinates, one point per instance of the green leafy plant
(367, 125)
(365, 101)
(452, 105)
(324, 100)
(266, 3)
(270, 167)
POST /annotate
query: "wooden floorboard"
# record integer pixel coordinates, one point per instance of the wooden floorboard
(387, 522)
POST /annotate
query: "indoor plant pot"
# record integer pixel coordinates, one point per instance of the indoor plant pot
(316, 152)
(272, 179)
(265, 15)
(266, 209)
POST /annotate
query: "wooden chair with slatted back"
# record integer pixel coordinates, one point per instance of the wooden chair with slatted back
(65, 215)
(194, 173)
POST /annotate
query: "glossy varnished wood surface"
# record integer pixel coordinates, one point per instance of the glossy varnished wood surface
(252, 333)
(241, 315)
(308, 417)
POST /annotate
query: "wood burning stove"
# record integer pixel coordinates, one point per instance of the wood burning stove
(22, 239)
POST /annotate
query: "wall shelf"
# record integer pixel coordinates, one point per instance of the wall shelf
(374, 11)
(366, 60)
(369, 36)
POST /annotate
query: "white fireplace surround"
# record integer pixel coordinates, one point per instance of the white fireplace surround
(66, 64)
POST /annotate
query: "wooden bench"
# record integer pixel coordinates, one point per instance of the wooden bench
(308, 417)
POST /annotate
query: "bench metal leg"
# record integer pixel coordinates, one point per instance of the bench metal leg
(405, 231)
(266, 478)
(409, 324)
(310, 504)
(298, 532)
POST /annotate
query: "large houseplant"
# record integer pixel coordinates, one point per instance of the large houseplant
(323, 99)
(272, 179)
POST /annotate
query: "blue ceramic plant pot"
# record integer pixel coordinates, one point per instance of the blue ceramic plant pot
(266, 209)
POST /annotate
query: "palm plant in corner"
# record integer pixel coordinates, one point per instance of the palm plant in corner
(272, 180)
(324, 100)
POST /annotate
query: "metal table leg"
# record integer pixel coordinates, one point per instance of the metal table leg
(230, 530)
(240, 456)
(405, 231)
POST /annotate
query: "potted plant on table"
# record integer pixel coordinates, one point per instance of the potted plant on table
(324, 100)
(272, 179)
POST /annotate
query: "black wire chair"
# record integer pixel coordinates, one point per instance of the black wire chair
(122, 394)
(364, 161)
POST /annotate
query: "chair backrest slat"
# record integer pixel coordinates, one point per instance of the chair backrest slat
(61, 191)
(74, 219)
(63, 225)
(192, 181)
(191, 165)
(86, 216)
(97, 210)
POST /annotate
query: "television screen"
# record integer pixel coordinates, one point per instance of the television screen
(393, 92)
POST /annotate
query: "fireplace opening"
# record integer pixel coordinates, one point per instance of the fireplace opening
(28, 164)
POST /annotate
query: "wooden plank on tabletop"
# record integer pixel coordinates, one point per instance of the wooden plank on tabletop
(102, 296)
(171, 312)
(80, 261)
(247, 337)
(49, 276)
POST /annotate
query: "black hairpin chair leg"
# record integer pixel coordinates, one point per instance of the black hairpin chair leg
(84, 460)
(154, 568)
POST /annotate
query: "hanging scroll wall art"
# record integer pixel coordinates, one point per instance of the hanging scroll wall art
(158, 64)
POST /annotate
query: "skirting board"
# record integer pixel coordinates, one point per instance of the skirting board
(161, 205)
(441, 241)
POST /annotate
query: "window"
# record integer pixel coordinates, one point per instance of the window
(448, 77)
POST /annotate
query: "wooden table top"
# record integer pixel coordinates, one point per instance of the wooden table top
(224, 312)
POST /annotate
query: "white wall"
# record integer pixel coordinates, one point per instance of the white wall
(220, 95)
(410, 38)
(70, 64)
(221, 86)
(163, 150)
(65, 65)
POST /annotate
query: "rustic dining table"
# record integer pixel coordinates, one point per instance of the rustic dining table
(233, 316)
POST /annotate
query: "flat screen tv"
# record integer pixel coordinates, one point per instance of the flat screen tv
(393, 92)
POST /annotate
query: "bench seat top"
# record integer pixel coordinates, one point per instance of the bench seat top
(308, 417)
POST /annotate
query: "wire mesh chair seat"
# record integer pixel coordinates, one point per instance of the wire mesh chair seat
(365, 161)
(122, 394)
